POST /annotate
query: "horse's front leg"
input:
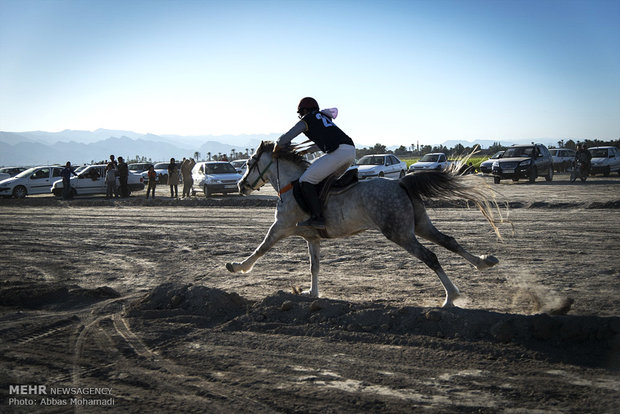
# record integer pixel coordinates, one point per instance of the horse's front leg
(275, 233)
(314, 251)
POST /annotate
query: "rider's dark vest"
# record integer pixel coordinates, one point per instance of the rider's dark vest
(324, 133)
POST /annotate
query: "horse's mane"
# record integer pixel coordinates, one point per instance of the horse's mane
(287, 153)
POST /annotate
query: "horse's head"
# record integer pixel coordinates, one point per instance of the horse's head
(257, 167)
(262, 161)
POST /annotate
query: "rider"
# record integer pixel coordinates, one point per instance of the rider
(338, 148)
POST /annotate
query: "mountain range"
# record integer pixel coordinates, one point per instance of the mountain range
(83, 147)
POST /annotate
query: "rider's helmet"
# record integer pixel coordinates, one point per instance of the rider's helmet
(307, 104)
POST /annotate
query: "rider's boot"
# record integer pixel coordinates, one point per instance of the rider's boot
(311, 197)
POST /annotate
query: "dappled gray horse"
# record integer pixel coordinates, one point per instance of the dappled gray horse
(394, 207)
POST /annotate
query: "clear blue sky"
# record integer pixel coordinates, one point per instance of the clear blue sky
(399, 71)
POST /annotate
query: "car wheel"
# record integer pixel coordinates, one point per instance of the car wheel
(402, 174)
(496, 180)
(206, 190)
(515, 179)
(20, 191)
(549, 177)
(532, 176)
(606, 171)
(381, 174)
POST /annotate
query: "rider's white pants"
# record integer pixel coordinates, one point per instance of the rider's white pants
(336, 161)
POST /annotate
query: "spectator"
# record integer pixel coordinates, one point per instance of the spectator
(110, 179)
(123, 176)
(66, 181)
(152, 181)
(186, 171)
(113, 161)
(173, 178)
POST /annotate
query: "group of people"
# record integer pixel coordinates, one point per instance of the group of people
(185, 168)
(115, 169)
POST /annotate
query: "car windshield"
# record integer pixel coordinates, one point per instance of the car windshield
(162, 166)
(519, 152)
(497, 155)
(370, 160)
(599, 153)
(555, 152)
(223, 168)
(26, 173)
(239, 163)
(430, 158)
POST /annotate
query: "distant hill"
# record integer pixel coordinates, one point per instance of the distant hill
(81, 147)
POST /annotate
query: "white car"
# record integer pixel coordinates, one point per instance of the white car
(91, 180)
(8, 172)
(239, 165)
(605, 160)
(435, 161)
(380, 165)
(215, 177)
(563, 158)
(36, 180)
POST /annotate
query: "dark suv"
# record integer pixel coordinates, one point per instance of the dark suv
(524, 161)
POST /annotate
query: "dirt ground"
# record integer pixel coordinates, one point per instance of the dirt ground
(126, 306)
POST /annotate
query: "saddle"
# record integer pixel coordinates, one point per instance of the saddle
(331, 185)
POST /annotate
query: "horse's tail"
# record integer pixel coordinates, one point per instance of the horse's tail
(448, 185)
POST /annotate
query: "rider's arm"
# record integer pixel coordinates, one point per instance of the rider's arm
(286, 138)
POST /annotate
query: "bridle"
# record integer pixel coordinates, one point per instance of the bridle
(260, 174)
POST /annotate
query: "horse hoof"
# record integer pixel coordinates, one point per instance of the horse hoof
(487, 261)
(229, 267)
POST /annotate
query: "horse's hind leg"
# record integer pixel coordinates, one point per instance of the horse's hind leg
(413, 246)
(425, 228)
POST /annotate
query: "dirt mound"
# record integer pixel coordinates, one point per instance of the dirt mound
(52, 296)
(289, 314)
(171, 300)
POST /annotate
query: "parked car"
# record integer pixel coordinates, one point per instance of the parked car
(161, 169)
(8, 172)
(380, 165)
(36, 180)
(524, 161)
(435, 161)
(239, 165)
(215, 177)
(605, 160)
(139, 167)
(91, 180)
(563, 158)
(486, 166)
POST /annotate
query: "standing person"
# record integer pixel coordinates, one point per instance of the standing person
(338, 148)
(173, 178)
(66, 180)
(152, 181)
(186, 170)
(123, 176)
(110, 179)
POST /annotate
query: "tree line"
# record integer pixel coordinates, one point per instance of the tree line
(460, 149)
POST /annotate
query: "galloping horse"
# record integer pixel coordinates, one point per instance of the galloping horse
(394, 207)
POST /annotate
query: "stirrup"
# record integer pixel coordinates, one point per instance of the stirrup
(317, 223)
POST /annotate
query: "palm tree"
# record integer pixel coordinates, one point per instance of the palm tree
(197, 156)
(209, 156)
